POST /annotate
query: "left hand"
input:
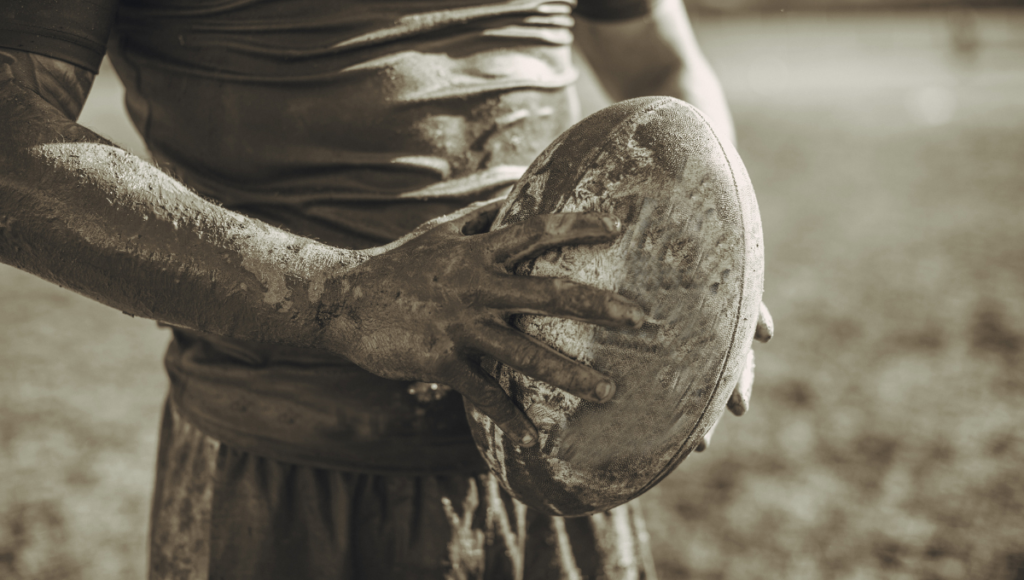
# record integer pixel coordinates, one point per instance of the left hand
(739, 402)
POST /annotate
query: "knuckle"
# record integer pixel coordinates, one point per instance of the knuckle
(567, 295)
(507, 418)
(523, 235)
(510, 423)
(490, 397)
(585, 380)
(528, 356)
(578, 379)
(537, 226)
(559, 223)
(586, 301)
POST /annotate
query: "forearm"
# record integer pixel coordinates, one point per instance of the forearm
(429, 307)
(82, 213)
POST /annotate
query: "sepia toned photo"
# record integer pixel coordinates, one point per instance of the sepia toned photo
(511, 289)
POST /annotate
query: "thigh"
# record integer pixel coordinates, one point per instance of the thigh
(179, 527)
(487, 534)
(221, 513)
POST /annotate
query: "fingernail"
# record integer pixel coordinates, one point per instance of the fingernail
(527, 440)
(637, 316)
(612, 224)
(604, 390)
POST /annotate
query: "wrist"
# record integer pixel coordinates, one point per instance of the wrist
(322, 302)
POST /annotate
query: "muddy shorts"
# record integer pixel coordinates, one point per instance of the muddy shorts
(221, 513)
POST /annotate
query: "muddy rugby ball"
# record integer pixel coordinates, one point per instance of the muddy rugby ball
(691, 254)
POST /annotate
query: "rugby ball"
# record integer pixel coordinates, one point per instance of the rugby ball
(690, 253)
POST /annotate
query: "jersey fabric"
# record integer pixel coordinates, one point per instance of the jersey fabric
(350, 121)
(74, 32)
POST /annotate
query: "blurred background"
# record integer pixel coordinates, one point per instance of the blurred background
(885, 440)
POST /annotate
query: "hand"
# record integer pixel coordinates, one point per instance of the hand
(430, 306)
(739, 402)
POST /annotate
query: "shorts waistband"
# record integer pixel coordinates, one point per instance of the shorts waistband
(308, 408)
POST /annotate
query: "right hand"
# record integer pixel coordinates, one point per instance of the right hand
(739, 401)
(429, 306)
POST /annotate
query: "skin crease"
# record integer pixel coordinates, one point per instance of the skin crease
(79, 212)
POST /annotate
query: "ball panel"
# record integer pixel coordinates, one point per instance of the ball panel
(689, 255)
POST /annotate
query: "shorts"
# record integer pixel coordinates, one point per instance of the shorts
(219, 513)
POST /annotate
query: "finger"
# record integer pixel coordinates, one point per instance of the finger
(564, 299)
(544, 232)
(465, 219)
(765, 326)
(488, 397)
(739, 401)
(479, 216)
(706, 441)
(539, 361)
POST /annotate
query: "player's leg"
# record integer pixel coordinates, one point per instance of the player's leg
(182, 501)
(223, 513)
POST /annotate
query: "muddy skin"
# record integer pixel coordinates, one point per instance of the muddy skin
(62, 85)
(78, 211)
(462, 305)
(91, 217)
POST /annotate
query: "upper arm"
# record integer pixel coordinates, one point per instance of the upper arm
(61, 84)
(636, 56)
(54, 47)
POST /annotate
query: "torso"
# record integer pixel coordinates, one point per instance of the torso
(351, 122)
(366, 116)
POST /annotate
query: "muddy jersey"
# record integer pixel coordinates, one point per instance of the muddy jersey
(350, 121)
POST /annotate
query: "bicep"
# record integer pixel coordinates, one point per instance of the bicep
(63, 85)
(54, 47)
(634, 57)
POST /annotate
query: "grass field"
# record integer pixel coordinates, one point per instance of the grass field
(885, 438)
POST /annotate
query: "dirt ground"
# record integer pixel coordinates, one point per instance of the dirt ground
(885, 438)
